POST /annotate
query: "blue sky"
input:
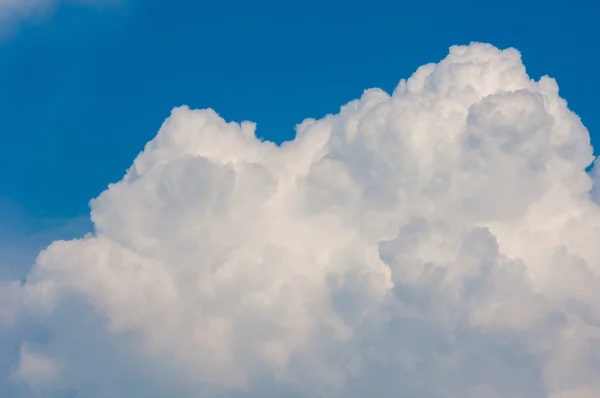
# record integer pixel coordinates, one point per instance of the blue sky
(85, 88)
(86, 84)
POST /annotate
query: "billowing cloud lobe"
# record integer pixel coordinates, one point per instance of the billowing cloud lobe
(441, 241)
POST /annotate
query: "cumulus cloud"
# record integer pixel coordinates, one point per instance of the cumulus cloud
(440, 241)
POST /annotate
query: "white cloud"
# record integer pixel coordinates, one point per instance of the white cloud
(438, 242)
(37, 370)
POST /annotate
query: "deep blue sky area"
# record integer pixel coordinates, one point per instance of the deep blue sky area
(83, 89)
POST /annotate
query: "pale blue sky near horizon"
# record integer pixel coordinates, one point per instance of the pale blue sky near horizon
(84, 88)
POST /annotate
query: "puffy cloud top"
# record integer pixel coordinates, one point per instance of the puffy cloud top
(437, 242)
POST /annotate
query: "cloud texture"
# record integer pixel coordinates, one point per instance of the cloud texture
(441, 241)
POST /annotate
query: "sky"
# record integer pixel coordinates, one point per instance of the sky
(226, 212)
(85, 87)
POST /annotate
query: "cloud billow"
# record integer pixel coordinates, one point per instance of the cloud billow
(437, 242)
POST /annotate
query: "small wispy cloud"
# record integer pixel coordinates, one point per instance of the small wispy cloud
(14, 11)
